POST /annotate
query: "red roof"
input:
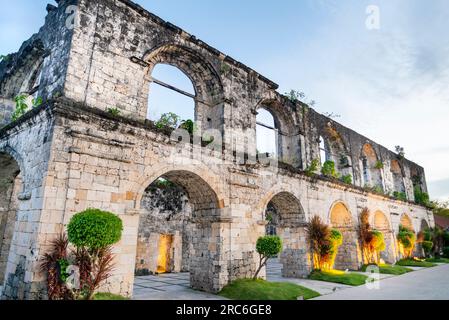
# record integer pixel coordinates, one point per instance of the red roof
(442, 222)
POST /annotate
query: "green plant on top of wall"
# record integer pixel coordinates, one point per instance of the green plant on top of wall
(328, 169)
(379, 165)
(313, 168)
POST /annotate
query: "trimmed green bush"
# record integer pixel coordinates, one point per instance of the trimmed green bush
(94, 229)
(267, 247)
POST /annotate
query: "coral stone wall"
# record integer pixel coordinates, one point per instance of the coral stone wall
(73, 154)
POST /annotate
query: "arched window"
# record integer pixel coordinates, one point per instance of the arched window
(323, 151)
(398, 179)
(266, 133)
(371, 167)
(171, 91)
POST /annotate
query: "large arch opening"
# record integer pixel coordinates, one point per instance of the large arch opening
(286, 219)
(10, 187)
(164, 98)
(207, 93)
(371, 168)
(348, 253)
(406, 222)
(398, 177)
(266, 133)
(277, 133)
(333, 148)
(382, 224)
(176, 232)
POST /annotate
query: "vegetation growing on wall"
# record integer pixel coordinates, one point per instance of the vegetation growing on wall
(421, 197)
(22, 105)
(328, 169)
(313, 168)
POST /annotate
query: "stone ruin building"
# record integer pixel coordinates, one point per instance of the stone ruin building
(187, 204)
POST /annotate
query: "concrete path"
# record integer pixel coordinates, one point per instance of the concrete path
(424, 284)
(169, 286)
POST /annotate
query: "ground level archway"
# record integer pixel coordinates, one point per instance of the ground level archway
(178, 223)
(10, 187)
(286, 218)
(348, 253)
(382, 224)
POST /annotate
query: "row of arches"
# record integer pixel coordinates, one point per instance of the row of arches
(192, 93)
(332, 148)
(185, 239)
(340, 218)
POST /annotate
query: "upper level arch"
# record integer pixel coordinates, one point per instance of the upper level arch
(333, 148)
(407, 222)
(398, 176)
(340, 217)
(371, 167)
(285, 134)
(381, 222)
(208, 88)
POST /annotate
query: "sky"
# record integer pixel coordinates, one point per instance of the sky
(388, 81)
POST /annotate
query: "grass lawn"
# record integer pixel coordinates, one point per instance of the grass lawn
(389, 269)
(352, 279)
(415, 263)
(438, 260)
(108, 296)
(248, 289)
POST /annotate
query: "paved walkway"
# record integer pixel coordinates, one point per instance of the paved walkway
(169, 286)
(424, 284)
(430, 284)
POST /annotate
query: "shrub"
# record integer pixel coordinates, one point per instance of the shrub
(400, 196)
(267, 247)
(94, 229)
(446, 252)
(313, 168)
(427, 247)
(189, 126)
(170, 120)
(407, 240)
(54, 265)
(379, 165)
(324, 243)
(347, 179)
(93, 232)
(22, 106)
(373, 242)
(336, 240)
(421, 197)
(328, 169)
(114, 111)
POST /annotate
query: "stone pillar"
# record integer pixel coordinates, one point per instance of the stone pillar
(208, 264)
(295, 258)
(349, 254)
